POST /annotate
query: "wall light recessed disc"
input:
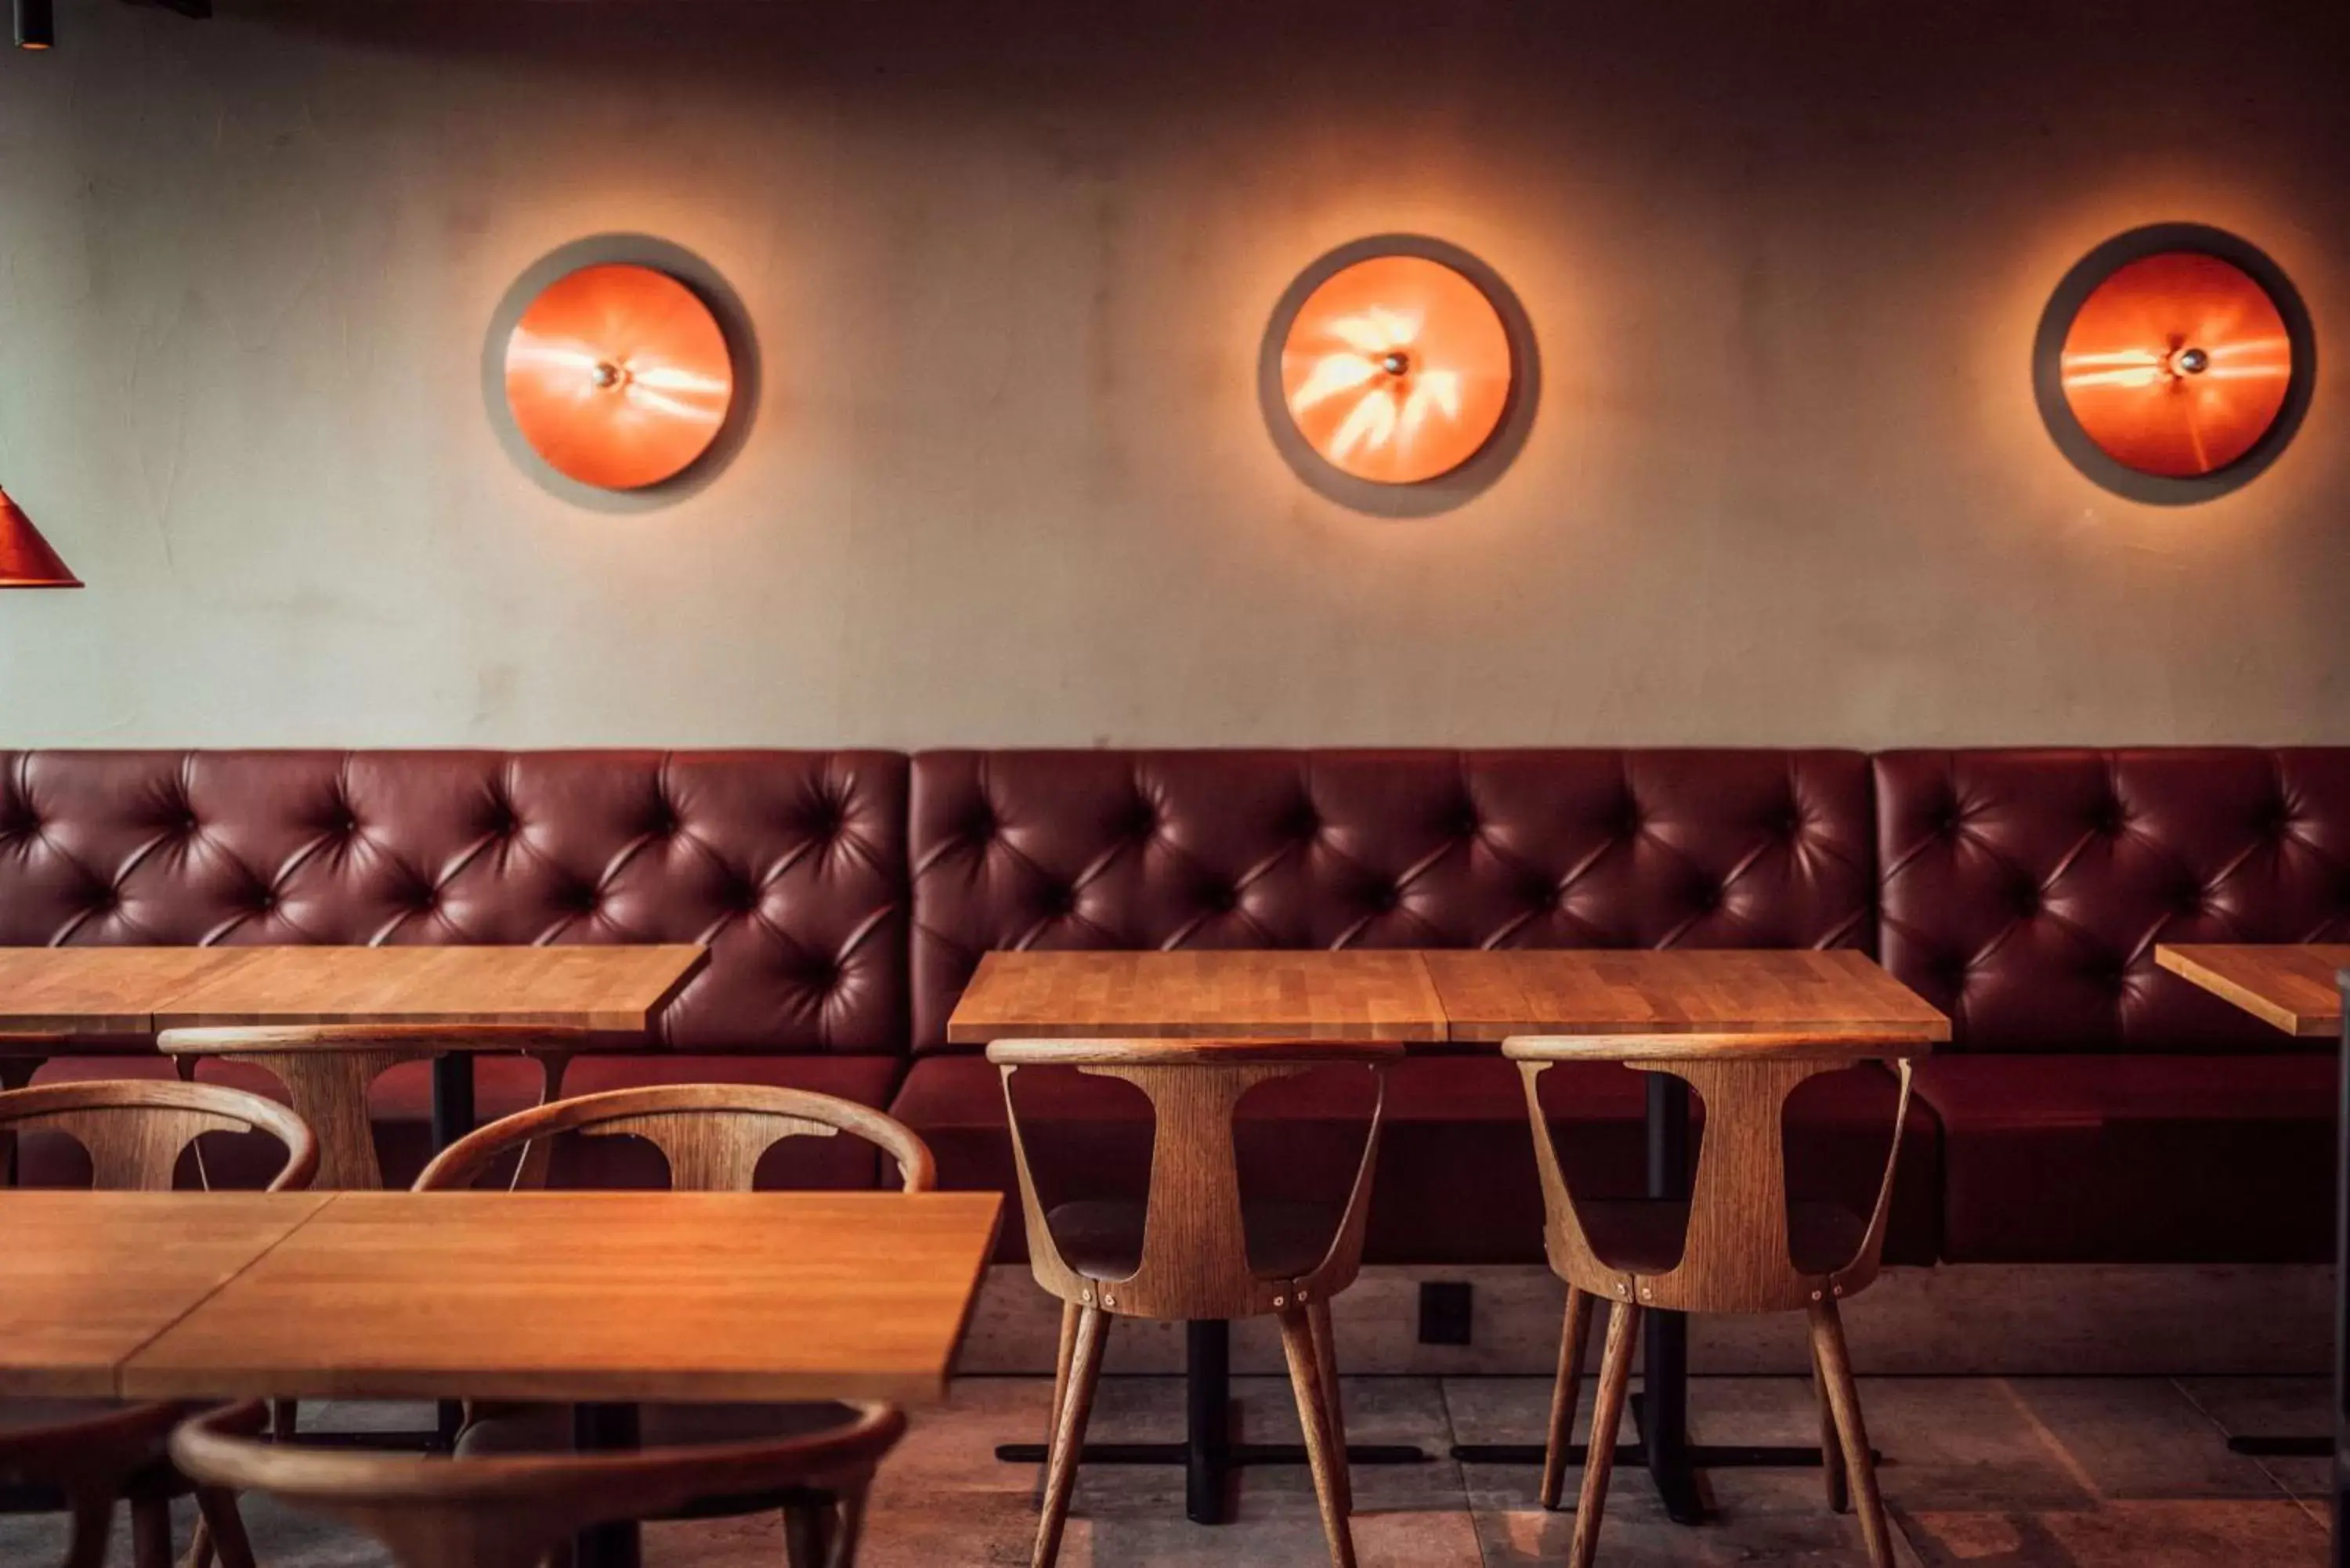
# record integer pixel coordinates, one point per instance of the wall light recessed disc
(2173, 363)
(1397, 375)
(619, 376)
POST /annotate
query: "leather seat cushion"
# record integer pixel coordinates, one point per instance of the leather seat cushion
(2136, 1158)
(402, 1106)
(1456, 1182)
(1102, 1239)
(1644, 1236)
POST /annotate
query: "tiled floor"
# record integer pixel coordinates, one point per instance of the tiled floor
(1983, 1472)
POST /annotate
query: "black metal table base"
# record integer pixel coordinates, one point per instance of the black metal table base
(2283, 1447)
(607, 1429)
(1674, 1478)
(1207, 1453)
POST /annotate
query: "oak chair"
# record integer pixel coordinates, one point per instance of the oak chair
(519, 1512)
(713, 1135)
(1196, 1247)
(1736, 1245)
(81, 1456)
(328, 1068)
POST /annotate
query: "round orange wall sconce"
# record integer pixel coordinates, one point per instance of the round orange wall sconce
(1397, 375)
(616, 371)
(2174, 363)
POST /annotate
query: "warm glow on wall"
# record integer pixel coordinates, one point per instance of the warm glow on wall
(1397, 369)
(2174, 363)
(619, 376)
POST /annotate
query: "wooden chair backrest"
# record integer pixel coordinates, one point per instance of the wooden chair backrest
(328, 1068)
(136, 1129)
(714, 1134)
(436, 1513)
(1195, 1260)
(1736, 1256)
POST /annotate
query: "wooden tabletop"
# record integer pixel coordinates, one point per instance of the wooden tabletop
(618, 1296)
(97, 991)
(2292, 987)
(1490, 996)
(583, 986)
(88, 1278)
(1302, 995)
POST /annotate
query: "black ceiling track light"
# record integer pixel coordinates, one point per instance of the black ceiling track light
(37, 27)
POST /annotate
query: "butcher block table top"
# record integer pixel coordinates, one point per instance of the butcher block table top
(89, 1277)
(585, 986)
(98, 991)
(590, 1296)
(1490, 996)
(1289, 995)
(2293, 987)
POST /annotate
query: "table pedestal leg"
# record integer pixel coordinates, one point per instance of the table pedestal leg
(607, 1429)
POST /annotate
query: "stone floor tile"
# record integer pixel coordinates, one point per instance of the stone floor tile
(2273, 1407)
(2139, 1437)
(2129, 1533)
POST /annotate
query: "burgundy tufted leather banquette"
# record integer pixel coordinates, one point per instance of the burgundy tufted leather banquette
(1395, 848)
(789, 866)
(2094, 1106)
(2090, 1108)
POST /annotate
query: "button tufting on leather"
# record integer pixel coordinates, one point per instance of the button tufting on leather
(1220, 899)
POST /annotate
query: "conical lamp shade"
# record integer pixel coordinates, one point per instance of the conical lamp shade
(25, 559)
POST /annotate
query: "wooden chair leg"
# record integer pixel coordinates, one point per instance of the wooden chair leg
(850, 1529)
(151, 1533)
(1069, 1311)
(1069, 1434)
(808, 1535)
(1563, 1393)
(1606, 1414)
(1844, 1399)
(220, 1528)
(1832, 1469)
(1325, 1365)
(93, 1522)
(1313, 1417)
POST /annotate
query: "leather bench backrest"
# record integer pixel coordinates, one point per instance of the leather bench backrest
(1389, 848)
(790, 866)
(2025, 891)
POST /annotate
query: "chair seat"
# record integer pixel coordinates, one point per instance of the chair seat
(510, 1430)
(1644, 1235)
(1102, 1239)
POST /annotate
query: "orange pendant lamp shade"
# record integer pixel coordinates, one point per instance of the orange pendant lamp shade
(619, 376)
(2177, 364)
(1397, 369)
(25, 559)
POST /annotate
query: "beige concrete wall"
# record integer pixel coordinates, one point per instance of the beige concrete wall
(1009, 484)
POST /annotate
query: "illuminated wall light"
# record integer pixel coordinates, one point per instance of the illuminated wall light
(618, 377)
(2173, 363)
(1397, 375)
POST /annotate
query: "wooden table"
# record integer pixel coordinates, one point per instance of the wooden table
(611, 989)
(2295, 988)
(603, 1298)
(1351, 995)
(1199, 994)
(88, 1279)
(1422, 996)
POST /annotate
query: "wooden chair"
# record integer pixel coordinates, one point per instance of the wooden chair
(713, 1135)
(1736, 1245)
(1196, 1248)
(82, 1456)
(328, 1068)
(515, 1513)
